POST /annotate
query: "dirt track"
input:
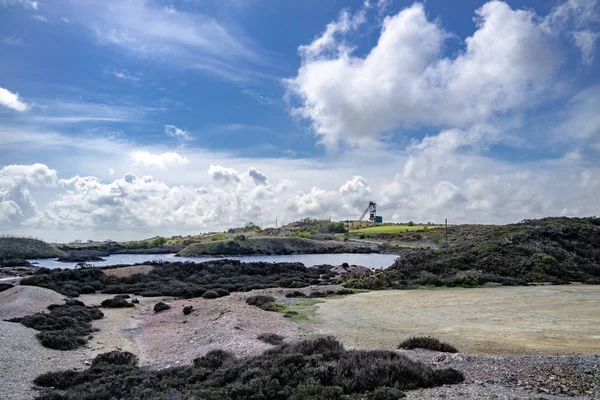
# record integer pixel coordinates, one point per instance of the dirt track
(490, 321)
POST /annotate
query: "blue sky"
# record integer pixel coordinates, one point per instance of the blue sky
(130, 118)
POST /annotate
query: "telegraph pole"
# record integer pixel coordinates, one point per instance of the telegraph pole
(446, 230)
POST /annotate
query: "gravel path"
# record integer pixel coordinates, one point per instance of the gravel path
(522, 377)
(22, 359)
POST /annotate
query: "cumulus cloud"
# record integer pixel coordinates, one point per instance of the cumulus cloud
(220, 173)
(257, 177)
(158, 160)
(507, 65)
(16, 202)
(181, 134)
(12, 100)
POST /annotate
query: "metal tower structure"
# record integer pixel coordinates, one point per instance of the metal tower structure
(372, 210)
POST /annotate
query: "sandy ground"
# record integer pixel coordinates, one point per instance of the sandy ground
(489, 321)
(519, 320)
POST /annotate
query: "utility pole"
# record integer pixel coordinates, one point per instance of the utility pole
(446, 230)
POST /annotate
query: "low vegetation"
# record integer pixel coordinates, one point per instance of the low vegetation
(161, 306)
(263, 302)
(273, 246)
(116, 302)
(555, 250)
(185, 279)
(5, 286)
(271, 338)
(66, 327)
(393, 229)
(426, 342)
(314, 369)
(24, 248)
(187, 310)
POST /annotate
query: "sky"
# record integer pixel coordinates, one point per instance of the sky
(125, 119)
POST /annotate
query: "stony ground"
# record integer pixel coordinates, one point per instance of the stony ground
(170, 338)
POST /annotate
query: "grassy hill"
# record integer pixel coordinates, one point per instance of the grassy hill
(557, 250)
(15, 247)
(273, 246)
(392, 229)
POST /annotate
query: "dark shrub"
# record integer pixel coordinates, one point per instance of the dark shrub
(65, 327)
(317, 294)
(116, 358)
(122, 296)
(161, 306)
(213, 359)
(385, 393)
(65, 339)
(295, 293)
(135, 301)
(426, 342)
(116, 302)
(318, 369)
(271, 338)
(182, 279)
(344, 292)
(187, 310)
(5, 286)
(87, 289)
(221, 292)
(262, 301)
(211, 294)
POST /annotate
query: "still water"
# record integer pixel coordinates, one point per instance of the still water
(372, 260)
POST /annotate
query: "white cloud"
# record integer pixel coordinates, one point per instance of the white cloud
(16, 203)
(12, 41)
(508, 65)
(327, 42)
(258, 177)
(586, 41)
(125, 75)
(40, 18)
(181, 134)
(25, 3)
(220, 173)
(66, 20)
(184, 39)
(581, 119)
(12, 100)
(156, 160)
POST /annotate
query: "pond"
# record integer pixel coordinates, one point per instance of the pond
(372, 260)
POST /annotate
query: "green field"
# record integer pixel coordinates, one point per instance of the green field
(393, 229)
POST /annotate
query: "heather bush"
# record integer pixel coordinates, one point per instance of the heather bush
(315, 369)
(426, 342)
(116, 302)
(161, 306)
(271, 338)
(66, 327)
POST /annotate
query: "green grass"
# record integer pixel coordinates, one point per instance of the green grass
(393, 229)
(305, 308)
(17, 247)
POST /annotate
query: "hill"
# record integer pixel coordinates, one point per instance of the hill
(556, 250)
(24, 248)
(274, 246)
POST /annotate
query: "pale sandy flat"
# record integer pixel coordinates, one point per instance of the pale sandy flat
(491, 321)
